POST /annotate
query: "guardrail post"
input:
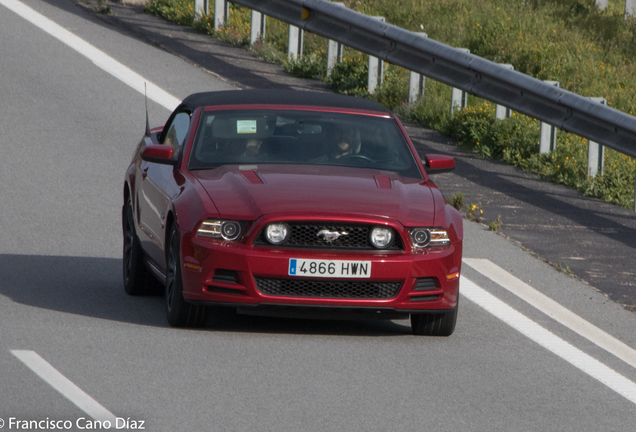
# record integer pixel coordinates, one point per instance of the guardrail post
(630, 8)
(502, 112)
(334, 55)
(257, 30)
(376, 69)
(595, 152)
(221, 9)
(547, 141)
(199, 9)
(294, 43)
(601, 4)
(416, 83)
(459, 98)
(334, 50)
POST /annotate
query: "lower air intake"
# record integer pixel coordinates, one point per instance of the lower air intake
(328, 289)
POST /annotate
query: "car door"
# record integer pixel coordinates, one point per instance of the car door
(153, 201)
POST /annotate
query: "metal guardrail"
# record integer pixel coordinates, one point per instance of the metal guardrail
(478, 76)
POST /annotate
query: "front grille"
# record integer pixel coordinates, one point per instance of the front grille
(327, 289)
(304, 235)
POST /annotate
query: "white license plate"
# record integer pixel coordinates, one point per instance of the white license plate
(329, 268)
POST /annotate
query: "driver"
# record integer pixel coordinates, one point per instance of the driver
(345, 143)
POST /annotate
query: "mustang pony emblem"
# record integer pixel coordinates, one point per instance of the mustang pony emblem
(331, 236)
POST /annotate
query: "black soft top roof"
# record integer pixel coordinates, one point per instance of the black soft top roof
(281, 97)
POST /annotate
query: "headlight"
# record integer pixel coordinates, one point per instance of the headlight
(277, 233)
(227, 230)
(230, 230)
(421, 237)
(381, 237)
(429, 237)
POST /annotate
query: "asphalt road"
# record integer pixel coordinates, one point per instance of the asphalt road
(67, 131)
(593, 240)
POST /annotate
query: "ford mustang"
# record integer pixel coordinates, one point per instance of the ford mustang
(290, 203)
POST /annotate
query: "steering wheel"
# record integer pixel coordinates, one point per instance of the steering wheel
(356, 156)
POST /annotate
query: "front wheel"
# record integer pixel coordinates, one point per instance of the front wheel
(178, 311)
(434, 324)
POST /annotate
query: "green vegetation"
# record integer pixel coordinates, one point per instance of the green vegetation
(473, 212)
(566, 270)
(178, 11)
(495, 225)
(103, 8)
(458, 201)
(590, 52)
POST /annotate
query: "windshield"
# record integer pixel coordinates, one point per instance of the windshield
(301, 137)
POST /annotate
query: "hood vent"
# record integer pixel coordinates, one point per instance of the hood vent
(252, 177)
(383, 181)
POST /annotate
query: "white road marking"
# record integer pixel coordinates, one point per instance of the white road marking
(549, 340)
(59, 382)
(554, 310)
(510, 316)
(101, 59)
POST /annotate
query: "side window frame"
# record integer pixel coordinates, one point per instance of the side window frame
(184, 109)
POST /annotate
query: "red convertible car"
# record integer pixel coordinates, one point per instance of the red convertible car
(290, 203)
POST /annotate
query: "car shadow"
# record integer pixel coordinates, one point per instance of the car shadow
(93, 287)
(336, 327)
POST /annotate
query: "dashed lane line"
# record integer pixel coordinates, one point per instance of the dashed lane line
(553, 309)
(469, 290)
(549, 340)
(478, 295)
(64, 386)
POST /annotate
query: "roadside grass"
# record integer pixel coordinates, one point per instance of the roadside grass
(589, 52)
(474, 213)
(496, 224)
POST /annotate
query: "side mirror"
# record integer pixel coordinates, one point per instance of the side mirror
(157, 153)
(437, 164)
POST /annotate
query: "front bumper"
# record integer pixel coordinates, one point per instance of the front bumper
(224, 273)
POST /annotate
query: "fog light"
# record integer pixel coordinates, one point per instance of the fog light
(381, 237)
(277, 233)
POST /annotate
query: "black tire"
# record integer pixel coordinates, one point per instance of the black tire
(178, 312)
(434, 324)
(137, 278)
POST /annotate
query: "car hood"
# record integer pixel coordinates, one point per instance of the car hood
(248, 192)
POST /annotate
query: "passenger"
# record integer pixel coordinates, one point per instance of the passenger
(252, 147)
(244, 148)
